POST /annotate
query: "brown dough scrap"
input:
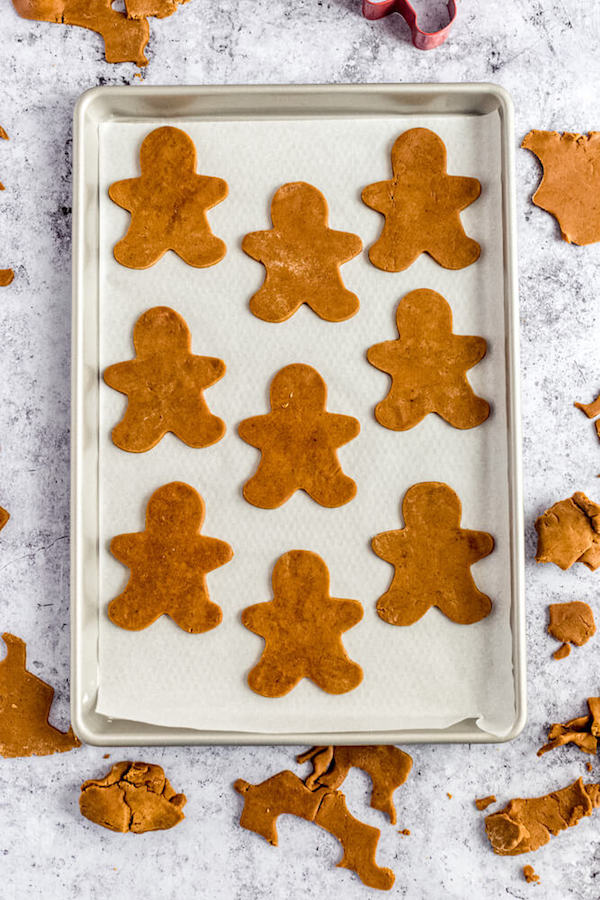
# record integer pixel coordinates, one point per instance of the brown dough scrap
(25, 702)
(298, 440)
(570, 183)
(387, 766)
(422, 206)
(139, 9)
(124, 39)
(6, 275)
(302, 628)
(302, 258)
(530, 876)
(164, 385)
(571, 623)
(169, 562)
(4, 517)
(483, 802)
(590, 409)
(569, 532)
(432, 556)
(582, 731)
(168, 205)
(428, 365)
(132, 797)
(286, 793)
(526, 825)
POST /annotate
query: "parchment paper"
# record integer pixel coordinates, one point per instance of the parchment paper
(428, 675)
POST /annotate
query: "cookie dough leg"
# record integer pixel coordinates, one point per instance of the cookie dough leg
(467, 607)
(398, 607)
(270, 679)
(271, 305)
(344, 302)
(461, 407)
(130, 611)
(392, 254)
(399, 412)
(197, 618)
(337, 671)
(334, 490)
(457, 253)
(202, 431)
(136, 252)
(268, 488)
(137, 432)
(207, 252)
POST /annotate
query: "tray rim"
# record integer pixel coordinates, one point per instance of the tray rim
(99, 730)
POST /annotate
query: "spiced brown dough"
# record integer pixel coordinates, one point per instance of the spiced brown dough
(483, 802)
(422, 206)
(569, 532)
(164, 385)
(530, 876)
(428, 365)
(570, 184)
(139, 9)
(286, 793)
(302, 628)
(526, 825)
(571, 623)
(6, 275)
(387, 766)
(432, 556)
(591, 410)
(25, 702)
(298, 440)
(4, 517)
(134, 796)
(168, 205)
(582, 731)
(124, 39)
(168, 565)
(302, 258)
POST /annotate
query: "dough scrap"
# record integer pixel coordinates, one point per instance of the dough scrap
(570, 183)
(591, 410)
(286, 793)
(582, 731)
(483, 802)
(139, 9)
(571, 623)
(164, 385)
(4, 517)
(428, 365)
(124, 39)
(302, 628)
(432, 556)
(298, 440)
(168, 204)
(25, 702)
(134, 796)
(530, 876)
(422, 206)
(525, 825)
(569, 532)
(302, 258)
(387, 766)
(169, 562)
(6, 275)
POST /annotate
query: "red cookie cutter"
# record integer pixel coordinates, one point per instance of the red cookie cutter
(423, 40)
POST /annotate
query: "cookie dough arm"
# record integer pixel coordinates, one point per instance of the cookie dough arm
(463, 191)
(215, 553)
(469, 349)
(346, 613)
(344, 246)
(123, 192)
(342, 428)
(123, 546)
(387, 545)
(207, 369)
(124, 376)
(378, 196)
(255, 431)
(214, 190)
(257, 243)
(257, 618)
(379, 355)
(480, 544)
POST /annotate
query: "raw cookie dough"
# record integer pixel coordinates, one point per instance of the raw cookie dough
(571, 623)
(286, 793)
(569, 532)
(387, 766)
(4, 517)
(132, 797)
(302, 627)
(428, 365)
(139, 9)
(483, 802)
(422, 206)
(571, 181)
(164, 385)
(124, 39)
(6, 275)
(591, 410)
(302, 258)
(530, 876)
(169, 562)
(298, 440)
(25, 702)
(168, 205)
(582, 731)
(525, 825)
(432, 556)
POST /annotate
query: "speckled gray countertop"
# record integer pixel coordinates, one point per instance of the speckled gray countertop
(545, 54)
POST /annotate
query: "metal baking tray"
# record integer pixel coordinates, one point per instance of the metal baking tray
(245, 103)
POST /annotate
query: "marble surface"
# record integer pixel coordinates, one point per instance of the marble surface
(545, 54)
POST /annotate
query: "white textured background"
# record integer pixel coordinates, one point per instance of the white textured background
(545, 54)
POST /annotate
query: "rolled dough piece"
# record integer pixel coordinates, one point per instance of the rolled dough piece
(139, 9)
(569, 532)
(571, 623)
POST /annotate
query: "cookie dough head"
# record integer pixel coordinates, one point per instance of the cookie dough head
(430, 153)
(420, 305)
(299, 574)
(160, 327)
(296, 202)
(177, 507)
(169, 151)
(298, 386)
(419, 501)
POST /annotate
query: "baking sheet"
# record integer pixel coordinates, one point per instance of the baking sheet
(430, 675)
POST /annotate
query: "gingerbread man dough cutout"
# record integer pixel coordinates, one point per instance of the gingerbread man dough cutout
(302, 628)
(298, 441)
(164, 385)
(168, 205)
(169, 562)
(422, 206)
(432, 556)
(427, 365)
(302, 258)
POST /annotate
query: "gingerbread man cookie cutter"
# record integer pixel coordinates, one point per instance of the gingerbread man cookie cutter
(422, 40)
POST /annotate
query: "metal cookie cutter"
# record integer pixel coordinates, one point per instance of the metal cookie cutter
(423, 40)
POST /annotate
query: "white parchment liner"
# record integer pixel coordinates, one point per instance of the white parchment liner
(429, 675)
